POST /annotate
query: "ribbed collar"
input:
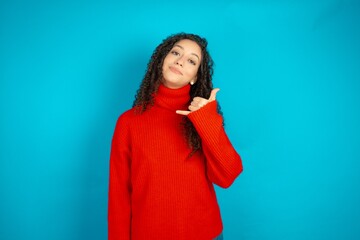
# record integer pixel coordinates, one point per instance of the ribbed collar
(173, 99)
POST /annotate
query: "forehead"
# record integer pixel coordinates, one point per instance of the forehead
(189, 46)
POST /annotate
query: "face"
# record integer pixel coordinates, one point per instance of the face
(181, 64)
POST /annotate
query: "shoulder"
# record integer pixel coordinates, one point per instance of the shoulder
(128, 114)
(123, 123)
(133, 119)
(126, 117)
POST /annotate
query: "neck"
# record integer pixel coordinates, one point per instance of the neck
(173, 99)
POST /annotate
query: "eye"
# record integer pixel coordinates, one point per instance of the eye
(192, 62)
(175, 53)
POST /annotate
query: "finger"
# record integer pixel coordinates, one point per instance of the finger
(203, 102)
(193, 108)
(182, 112)
(213, 94)
(199, 104)
(198, 99)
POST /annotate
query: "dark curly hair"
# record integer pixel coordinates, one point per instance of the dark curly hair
(152, 79)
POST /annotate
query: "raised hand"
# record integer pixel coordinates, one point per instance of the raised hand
(199, 102)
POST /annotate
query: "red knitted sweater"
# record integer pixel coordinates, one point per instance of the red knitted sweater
(155, 191)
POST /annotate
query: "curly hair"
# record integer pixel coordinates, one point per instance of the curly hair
(144, 97)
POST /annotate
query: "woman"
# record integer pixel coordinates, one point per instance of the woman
(169, 149)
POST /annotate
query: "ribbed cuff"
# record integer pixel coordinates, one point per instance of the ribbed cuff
(207, 120)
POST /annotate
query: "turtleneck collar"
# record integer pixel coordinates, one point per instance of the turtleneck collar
(172, 99)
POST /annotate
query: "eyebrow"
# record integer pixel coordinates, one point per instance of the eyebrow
(177, 45)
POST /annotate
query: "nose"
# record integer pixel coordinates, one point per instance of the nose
(179, 61)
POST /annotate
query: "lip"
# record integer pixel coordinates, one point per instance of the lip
(175, 70)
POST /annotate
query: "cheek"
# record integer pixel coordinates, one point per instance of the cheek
(193, 72)
(165, 63)
(169, 58)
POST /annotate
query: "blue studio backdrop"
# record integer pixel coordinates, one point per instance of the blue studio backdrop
(289, 73)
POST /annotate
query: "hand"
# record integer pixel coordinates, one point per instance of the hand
(199, 102)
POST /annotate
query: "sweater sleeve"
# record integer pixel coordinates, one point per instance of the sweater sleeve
(222, 161)
(119, 209)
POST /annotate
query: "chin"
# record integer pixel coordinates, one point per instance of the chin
(173, 84)
(170, 80)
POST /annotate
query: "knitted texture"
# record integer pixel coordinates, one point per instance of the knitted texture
(155, 190)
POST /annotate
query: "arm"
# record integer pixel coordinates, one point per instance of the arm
(119, 204)
(223, 162)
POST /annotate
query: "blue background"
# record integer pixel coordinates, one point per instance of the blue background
(289, 73)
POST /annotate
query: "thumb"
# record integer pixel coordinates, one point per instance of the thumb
(213, 94)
